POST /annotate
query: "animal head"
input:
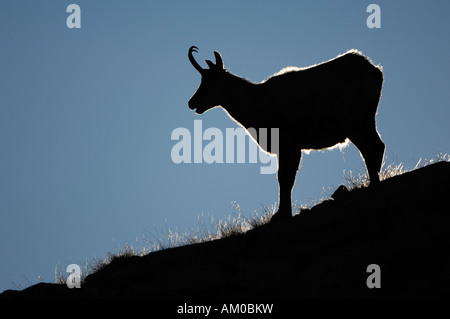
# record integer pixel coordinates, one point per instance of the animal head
(211, 90)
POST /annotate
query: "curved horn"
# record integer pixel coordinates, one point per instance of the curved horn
(219, 62)
(191, 58)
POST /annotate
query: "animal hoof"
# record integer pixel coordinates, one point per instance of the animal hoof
(281, 216)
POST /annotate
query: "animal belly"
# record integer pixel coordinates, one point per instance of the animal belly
(322, 134)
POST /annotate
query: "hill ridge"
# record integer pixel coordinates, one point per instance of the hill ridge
(401, 225)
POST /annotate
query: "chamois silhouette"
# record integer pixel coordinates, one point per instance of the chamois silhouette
(314, 108)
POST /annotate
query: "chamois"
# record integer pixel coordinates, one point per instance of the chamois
(314, 108)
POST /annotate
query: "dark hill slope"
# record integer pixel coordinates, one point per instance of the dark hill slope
(402, 225)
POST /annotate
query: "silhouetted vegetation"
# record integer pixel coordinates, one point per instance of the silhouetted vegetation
(236, 223)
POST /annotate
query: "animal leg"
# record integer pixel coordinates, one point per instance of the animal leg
(287, 170)
(372, 149)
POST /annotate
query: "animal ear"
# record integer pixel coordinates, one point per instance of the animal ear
(219, 61)
(210, 64)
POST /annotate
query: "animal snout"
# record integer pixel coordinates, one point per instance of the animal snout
(191, 104)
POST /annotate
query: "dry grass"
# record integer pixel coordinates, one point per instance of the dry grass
(361, 179)
(209, 229)
(235, 224)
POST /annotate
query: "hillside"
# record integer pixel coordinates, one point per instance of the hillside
(402, 225)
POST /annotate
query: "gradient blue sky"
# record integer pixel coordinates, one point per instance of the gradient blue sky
(86, 114)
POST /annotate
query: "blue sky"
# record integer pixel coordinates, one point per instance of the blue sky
(86, 115)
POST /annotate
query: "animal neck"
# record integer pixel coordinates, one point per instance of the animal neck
(240, 100)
